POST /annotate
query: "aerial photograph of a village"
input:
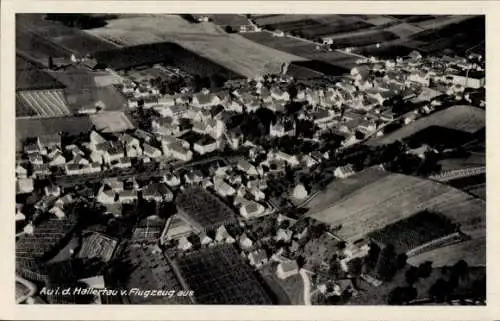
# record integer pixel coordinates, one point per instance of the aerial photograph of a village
(250, 159)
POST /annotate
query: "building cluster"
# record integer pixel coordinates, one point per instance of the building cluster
(189, 126)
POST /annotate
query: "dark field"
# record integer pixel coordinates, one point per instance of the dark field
(413, 231)
(314, 26)
(454, 38)
(322, 67)
(301, 72)
(41, 38)
(413, 18)
(365, 39)
(203, 209)
(234, 20)
(459, 35)
(47, 126)
(29, 77)
(303, 49)
(438, 137)
(166, 52)
(218, 275)
(81, 90)
(38, 48)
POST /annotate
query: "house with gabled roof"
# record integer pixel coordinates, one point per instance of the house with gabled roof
(176, 150)
(24, 185)
(258, 258)
(41, 170)
(96, 139)
(244, 166)
(35, 159)
(52, 190)
(57, 159)
(205, 145)
(344, 171)
(245, 242)
(157, 192)
(205, 100)
(251, 209)
(127, 196)
(222, 188)
(279, 94)
(151, 151)
(286, 269)
(21, 172)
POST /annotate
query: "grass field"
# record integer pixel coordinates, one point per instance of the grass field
(82, 90)
(464, 118)
(208, 40)
(370, 204)
(111, 122)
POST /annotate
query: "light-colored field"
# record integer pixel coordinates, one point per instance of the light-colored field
(374, 204)
(464, 118)
(404, 30)
(111, 122)
(206, 39)
(379, 20)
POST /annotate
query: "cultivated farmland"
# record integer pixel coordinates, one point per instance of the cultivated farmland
(218, 275)
(42, 38)
(205, 39)
(472, 251)
(204, 210)
(463, 118)
(151, 271)
(315, 26)
(164, 52)
(371, 204)
(303, 48)
(82, 91)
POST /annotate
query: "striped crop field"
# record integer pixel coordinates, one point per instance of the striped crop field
(375, 199)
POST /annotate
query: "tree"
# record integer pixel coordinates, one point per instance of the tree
(460, 269)
(51, 62)
(401, 260)
(356, 266)
(402, 295)
(285, 224)
(411, 275)
(386, 263)
(425, 269)
(333, 300)
(373, 254)
(439, 290)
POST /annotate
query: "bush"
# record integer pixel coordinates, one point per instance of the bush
(402, 295)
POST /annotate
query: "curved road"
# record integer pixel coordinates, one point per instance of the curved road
(29, 285)
(307, 287)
